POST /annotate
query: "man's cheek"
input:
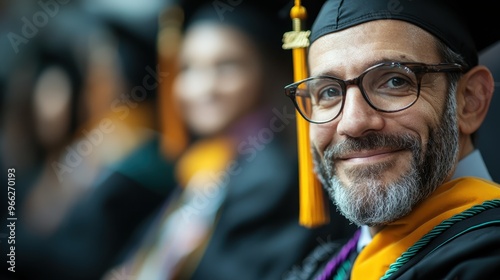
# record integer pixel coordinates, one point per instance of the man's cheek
(321, 136)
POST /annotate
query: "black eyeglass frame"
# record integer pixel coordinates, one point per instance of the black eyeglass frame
(419, 69)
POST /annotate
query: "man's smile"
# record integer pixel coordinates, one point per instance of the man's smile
(369, 156)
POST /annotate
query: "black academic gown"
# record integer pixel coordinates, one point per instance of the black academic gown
(469, 250)
(257, 235)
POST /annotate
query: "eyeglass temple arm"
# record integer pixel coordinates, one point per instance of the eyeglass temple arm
(443, 67)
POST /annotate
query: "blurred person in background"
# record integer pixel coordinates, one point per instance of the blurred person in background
(59, 119)
(237, 216)
(89, 82)
(42, 113)
(41, 87)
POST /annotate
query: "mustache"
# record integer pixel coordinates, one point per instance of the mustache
(370, 142)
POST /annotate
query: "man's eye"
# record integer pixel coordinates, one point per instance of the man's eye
(396, 82)
(329, 93)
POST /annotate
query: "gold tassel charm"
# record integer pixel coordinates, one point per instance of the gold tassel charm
(312, 204)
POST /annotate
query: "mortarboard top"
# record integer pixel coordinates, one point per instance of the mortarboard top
(465, 28)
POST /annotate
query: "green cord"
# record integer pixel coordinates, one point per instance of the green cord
(343, 270)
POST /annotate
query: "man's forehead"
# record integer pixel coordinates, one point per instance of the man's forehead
(367, 44)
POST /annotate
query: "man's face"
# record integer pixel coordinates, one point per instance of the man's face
(378, 166)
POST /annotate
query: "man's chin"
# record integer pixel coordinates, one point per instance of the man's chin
(374, 200)
(382, 173)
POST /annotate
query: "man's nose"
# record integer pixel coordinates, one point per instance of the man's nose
(358, 118)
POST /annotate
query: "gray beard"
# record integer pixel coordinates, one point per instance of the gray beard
(368, 200)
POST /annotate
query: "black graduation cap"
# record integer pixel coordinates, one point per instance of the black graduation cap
(466, 27)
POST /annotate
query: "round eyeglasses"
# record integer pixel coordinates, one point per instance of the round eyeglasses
(386, 87)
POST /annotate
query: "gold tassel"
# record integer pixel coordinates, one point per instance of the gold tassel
(312, 204)
(174, 133)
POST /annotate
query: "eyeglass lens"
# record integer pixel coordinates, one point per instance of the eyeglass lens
(386, 87)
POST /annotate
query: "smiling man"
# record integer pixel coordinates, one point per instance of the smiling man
(394, 98)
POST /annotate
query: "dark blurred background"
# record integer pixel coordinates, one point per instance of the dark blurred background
(79, 109)
(489, 133)
(79, 123)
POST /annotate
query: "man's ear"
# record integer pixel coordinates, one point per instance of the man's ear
(474, 94)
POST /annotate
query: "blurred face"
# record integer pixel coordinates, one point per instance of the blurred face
(378, 166)
(52, 98)
(220, 78)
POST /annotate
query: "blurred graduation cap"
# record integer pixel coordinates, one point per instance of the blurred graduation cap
(134, 25)
(240, 14)
(467, 29)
